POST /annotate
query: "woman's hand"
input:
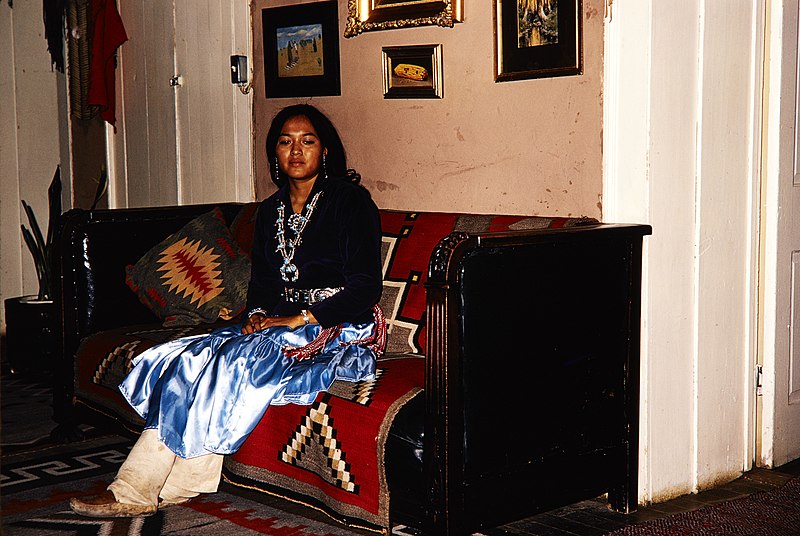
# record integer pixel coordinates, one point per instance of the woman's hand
(259, 322)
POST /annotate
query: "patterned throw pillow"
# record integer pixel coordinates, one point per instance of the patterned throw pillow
(195, 275)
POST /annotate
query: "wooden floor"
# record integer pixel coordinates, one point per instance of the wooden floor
(592, 517)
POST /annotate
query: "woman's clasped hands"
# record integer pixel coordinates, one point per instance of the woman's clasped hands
(260, 322)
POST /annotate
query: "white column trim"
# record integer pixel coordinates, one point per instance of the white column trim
(626, 173)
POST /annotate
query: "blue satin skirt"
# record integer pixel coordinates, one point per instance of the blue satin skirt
(206, 393)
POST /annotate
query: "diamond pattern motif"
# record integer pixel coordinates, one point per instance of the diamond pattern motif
(313, 446)
(192, 270)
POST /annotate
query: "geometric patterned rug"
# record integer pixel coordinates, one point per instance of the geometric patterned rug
(38, 476)
(36, 487)
(26, 407)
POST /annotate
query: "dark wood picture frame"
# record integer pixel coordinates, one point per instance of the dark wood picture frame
(301, 50)
(423, 79)
(538, 38)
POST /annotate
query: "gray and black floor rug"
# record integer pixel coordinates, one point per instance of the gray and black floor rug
(39, 475)
(36, 486)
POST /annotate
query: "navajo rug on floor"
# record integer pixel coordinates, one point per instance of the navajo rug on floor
(36, 487)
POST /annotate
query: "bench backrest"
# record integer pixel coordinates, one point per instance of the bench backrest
(96, 246)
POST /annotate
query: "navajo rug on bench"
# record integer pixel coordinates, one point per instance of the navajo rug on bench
(330, 455)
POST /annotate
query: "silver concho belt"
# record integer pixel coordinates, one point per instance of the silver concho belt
(309, 296)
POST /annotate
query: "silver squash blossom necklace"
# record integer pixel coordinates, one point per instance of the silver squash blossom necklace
(297, 222)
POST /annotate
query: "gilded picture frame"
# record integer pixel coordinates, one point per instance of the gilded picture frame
(412, 72)
(538, 38)
(369, 15)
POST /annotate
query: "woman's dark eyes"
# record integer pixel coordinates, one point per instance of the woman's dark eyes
(306, 141)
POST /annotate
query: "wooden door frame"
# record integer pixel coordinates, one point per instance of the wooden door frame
(771, 319)
(643, 121)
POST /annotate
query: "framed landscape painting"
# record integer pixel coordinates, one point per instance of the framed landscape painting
(537, 38)
(301, 50)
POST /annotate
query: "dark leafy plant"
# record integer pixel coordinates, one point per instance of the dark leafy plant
(102, 186)
(41, 249)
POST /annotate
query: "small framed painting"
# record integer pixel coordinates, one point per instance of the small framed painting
(301, 50)
(412, 72)
(537, 38)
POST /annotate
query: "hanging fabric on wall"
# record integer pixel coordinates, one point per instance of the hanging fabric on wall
(108, 33)
(53, 14)
(78, 46)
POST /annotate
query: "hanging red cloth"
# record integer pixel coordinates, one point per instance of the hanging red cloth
(108, 33)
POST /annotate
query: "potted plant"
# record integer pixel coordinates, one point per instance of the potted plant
(30, 319)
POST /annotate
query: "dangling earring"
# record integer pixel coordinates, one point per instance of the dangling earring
(324, 167)
(277, 169)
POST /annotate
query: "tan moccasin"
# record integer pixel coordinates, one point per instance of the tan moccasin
(162, 503)
(106, 505)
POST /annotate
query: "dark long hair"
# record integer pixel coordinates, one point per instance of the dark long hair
(335, 160)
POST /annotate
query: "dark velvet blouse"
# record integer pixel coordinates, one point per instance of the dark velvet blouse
(340, 247)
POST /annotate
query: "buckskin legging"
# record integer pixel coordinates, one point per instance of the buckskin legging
(152, 471)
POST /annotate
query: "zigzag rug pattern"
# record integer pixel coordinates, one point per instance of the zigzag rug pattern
(36, 487)
(39, 476)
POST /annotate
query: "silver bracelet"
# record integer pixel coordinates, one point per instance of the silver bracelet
(304, 312)
(257, 311)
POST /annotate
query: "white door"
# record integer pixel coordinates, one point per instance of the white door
(213, 115)
(144, 147)
(183, 131)
(780, 400)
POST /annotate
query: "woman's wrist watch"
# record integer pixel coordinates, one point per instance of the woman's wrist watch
(304, 312)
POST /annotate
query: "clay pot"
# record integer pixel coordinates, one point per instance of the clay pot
(30, 334)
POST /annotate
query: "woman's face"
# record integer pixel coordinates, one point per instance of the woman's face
(299, 149)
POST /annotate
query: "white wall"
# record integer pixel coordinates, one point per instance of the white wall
(681, 96)
(30, 143)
